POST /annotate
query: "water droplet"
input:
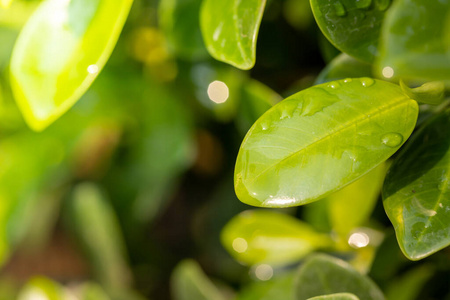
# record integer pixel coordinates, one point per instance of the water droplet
(363, 3)
(347, 80)
(334, 85)
(92, 69)
(264, 126)
(288, 110)
(366, 81)
(382, 4)
(339, 8)
(392, 139)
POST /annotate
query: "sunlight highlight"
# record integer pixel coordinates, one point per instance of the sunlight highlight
(264, 272)
(218, 91)
(358, 240)
(388, 72)
(240, 245)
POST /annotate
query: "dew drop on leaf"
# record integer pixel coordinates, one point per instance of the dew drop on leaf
(366, 81)
(392, 139)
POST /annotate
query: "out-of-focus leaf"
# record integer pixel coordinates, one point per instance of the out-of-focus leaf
(430, 93)
(179, 20)
(42, 289)
(339, 296)
(278, 288)
(316, 214)
(352, 26)
(321, 275)
(14, 14)
(90, 291)
(230, 30)
(188, 282)
(321, 139)
(257, 98)
(344, 66)
(420, 50)
(54, 61)
(259, 236)
(409, 285)
(298, 13)
(351, 206)
(97, 228)
(416, 191)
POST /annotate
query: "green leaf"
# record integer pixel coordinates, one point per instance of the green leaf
(230, 30)
(420, 50)
(321, 139)
(278, 288)
(416, 194)
(352, 26)
(353, 205)
(179, 20)
(429, 93)
(60, 51)
(97, 227)
(322, 274)
(188, 282)
(260, 236)
(339, 296)
(342, 67)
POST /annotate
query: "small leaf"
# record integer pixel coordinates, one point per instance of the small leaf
(321, 139)
(322, 274)
(188, 282)
(97, 227)
(416, 192)
(60, 51)
(260, 236)
(342, 67)
(352, 26)
(351, 206)
(418, 51)
(179, 21)
(339, 296)
(429, 93)
(278, 288)
(230, 30)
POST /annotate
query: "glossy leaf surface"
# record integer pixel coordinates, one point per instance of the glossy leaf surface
(344, 66)
(352, 26)
(429, 93)
(59, 53)
(351, 206)
(416, 193)
(418, 50)
(261, 236)
(339, 296)
(230, 30)
(188, 282)
(321, 139)
(321, 275)
(179, 20)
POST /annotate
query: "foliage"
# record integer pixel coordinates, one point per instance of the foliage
(140, 112)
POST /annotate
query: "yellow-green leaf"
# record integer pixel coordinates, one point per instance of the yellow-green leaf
(60, 51)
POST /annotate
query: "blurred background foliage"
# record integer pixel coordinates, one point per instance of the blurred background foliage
(130, 194)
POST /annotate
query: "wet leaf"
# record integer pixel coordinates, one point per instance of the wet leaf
(344, 66)
(259, 236)
(352, 26)
(230, 30)
(321, 139)
(188, 282)
(416, 193)
(322, 274)
(179, 20)
(420, 50)
(340, 296)
(60, 51)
